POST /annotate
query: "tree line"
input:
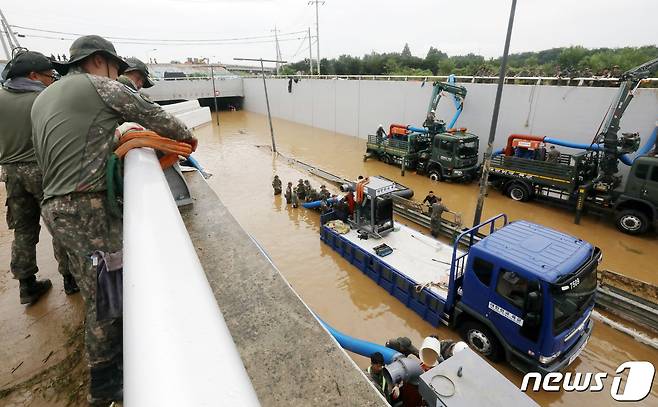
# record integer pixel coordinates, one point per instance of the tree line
(574, 61)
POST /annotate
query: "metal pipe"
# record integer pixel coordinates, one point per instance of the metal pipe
(178, 350)
(494, 120)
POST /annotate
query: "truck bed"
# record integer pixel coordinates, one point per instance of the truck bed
(416, 260)
(557, 175)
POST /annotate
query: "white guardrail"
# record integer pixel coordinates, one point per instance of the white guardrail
(178, 350)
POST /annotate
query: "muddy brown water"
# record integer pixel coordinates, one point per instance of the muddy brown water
(333, 288)
(341, 294)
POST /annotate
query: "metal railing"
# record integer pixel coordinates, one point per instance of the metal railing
(178, 350)
(511, 80)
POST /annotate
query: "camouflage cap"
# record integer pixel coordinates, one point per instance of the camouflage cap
(24, 62)
(88, 45)
(135, 64)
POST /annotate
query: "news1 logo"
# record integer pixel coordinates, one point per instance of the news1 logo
(637, 387)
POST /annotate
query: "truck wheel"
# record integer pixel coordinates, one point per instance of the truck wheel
(386, 159)
(632, 221)
(435, 175)
(482, 340)
(518, 192)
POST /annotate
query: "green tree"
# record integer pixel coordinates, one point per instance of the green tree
(406, 52)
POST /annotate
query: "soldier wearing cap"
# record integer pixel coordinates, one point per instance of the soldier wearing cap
(136, 76)
(73, 129)
(26, 75)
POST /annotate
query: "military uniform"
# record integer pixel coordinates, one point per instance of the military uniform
(73, 128)
(288, 193)
(276, 184)
(301, 190)
(324, 193)
(22, 176)
(435, 218)
(312, 195)
(128, 82)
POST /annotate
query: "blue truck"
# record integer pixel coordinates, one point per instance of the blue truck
(514, 290)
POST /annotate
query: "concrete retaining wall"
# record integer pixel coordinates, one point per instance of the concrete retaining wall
(357, 107)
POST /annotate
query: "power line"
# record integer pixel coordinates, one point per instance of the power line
(172, 44)
(154, 40)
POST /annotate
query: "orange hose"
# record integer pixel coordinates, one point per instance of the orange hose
(359, 189)
(147, 138)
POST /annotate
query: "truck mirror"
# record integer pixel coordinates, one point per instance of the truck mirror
(533, 302)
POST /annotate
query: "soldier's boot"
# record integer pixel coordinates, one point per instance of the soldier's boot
(106, 385)
(31, 289)
(70, 286)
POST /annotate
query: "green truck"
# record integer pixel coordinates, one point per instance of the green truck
(589, 180)
(436, 149)
(571, 180)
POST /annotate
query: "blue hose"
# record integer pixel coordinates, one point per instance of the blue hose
(316, 204)
(648, 145)
(571, 144)
(361, 347)
(458, 104)
(194, 163)
(417, 129)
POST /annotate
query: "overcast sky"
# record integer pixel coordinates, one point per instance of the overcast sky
(353, 27)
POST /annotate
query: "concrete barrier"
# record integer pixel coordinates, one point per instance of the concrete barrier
(190, 113)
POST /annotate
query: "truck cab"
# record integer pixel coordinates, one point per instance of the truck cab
(527, 292)
(636, 205)
(453, 155)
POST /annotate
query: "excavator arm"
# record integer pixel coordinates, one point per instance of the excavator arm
(615, 146)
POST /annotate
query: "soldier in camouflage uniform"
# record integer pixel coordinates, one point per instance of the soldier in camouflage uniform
(73, 129)
(136, 76)
(276, 184)
(324, 192)
(301, 190)
(435, 216)
(311, 194)
(27, 74)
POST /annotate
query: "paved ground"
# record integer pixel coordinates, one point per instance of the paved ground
(40, 345)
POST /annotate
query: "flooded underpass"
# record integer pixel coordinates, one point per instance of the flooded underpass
(237, 153)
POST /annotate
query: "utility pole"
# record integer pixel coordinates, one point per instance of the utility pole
(484, 179)
(10, 41)
(310, 52)
(214, 91)
(267, 100)
(278, 49)
(317, 29)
